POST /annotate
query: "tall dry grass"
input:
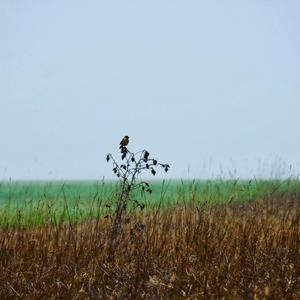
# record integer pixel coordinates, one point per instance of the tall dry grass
(237, 251)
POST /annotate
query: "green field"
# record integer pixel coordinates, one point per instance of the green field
(35, 203)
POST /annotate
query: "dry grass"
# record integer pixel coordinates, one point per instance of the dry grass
(248, 251)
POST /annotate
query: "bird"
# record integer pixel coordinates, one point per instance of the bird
(124, 142)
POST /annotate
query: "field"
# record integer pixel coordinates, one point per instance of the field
(194, 240)
(38, 203)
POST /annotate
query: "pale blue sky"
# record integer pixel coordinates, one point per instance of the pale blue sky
(206, 85)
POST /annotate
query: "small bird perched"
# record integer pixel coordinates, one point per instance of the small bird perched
(124, 142)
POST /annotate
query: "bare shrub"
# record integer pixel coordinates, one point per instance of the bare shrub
(128, 171)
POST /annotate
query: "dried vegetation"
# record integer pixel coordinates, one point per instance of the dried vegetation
(236, 251)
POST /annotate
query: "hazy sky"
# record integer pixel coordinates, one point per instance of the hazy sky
(208, 86)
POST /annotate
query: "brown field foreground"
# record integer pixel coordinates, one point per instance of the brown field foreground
(236, 251)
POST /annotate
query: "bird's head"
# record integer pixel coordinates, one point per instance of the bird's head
(126, 137)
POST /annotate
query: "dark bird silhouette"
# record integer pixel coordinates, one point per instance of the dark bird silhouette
(124, 142)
